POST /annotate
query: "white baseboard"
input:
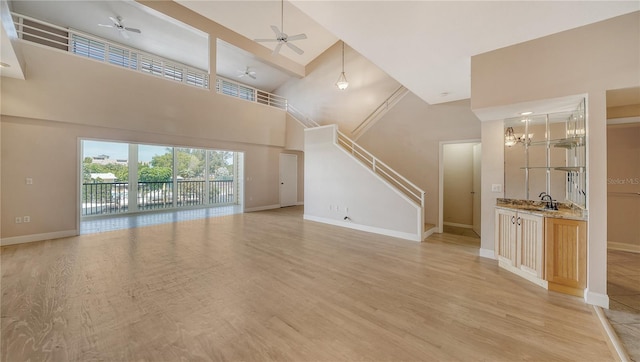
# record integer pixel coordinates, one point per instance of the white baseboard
(466, 226)
(37, 237)
(262, 208)
(371, 229)
(486, 253)
(429, 232)
(623, 247)
(599, 299)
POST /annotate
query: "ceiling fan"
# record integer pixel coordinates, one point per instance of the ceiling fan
(117, 24)
(247, 73)
(282, 38)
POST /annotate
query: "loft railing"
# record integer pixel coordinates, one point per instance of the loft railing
(239, 90)
(380, 111)
(102, 198)
(380, 168)
(92, 47)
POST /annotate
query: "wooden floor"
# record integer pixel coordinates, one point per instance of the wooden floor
(271, 286)
(623, 288)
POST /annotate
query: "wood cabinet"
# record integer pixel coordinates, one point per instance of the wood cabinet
(566, 255)
(519, 244)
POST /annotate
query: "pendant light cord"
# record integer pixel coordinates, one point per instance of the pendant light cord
(343, 57)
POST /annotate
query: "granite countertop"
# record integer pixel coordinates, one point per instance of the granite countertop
(538, 208)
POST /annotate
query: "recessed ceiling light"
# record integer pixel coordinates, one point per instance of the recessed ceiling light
(4, 65)
(526, 113)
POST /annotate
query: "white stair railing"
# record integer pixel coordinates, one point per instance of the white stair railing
(300, 117)
(377, 114)
(413, 192)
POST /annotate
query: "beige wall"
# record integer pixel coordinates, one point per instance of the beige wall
(458, 183)
(408, 139)
(48, 152)
(587, 60)
(317, 97)
(623, 185)
(65, 97)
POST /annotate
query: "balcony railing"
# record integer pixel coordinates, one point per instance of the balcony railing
(103, 50)
(234, 89)
(113, 197)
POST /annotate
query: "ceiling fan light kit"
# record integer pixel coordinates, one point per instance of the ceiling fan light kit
(282, 38)
(247, 73)
(119, 26)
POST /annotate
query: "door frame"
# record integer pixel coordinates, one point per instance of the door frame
(280, 180)
(441, 178)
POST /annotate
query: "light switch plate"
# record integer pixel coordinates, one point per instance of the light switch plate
(496, 188)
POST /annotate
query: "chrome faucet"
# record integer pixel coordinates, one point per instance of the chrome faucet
(550, 202)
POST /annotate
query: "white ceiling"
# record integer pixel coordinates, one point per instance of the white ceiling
(253, 19)
(425, 45)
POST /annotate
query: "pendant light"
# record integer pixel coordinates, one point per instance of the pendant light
(342, 83)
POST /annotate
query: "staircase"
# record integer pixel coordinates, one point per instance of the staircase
(412, 194)
(379, 112)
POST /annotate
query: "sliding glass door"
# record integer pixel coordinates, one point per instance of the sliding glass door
(121, 178)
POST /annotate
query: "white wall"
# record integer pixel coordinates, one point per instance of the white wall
(587, 60)
(338, 186)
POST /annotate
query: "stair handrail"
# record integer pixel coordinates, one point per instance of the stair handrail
(377, 166)
(307, 122)
(384, 106)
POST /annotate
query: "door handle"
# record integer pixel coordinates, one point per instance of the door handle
(519, 221)
(513, 219)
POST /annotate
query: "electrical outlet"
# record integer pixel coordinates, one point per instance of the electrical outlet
(18, 220)
(496, 188)
(26, 219)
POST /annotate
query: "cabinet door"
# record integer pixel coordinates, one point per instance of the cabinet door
(566, 255)
(530, 244)
(505, 238)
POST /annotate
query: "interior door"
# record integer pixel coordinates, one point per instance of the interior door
(288, 179)
(477, 153)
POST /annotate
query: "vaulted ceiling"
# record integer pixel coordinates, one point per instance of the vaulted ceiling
(425, 45)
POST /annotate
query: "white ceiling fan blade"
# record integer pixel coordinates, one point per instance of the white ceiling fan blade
(251, 76)
(297, 37)
(106, 26)
(295, 48)
(114, 20)
(124, 34)
(276, 31)
(277, 49)
(265, 40)
(133, 30)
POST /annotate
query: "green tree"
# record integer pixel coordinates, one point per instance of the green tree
(154, 174)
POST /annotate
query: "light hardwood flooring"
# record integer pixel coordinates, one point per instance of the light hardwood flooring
(271, 286)
(623, 288)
